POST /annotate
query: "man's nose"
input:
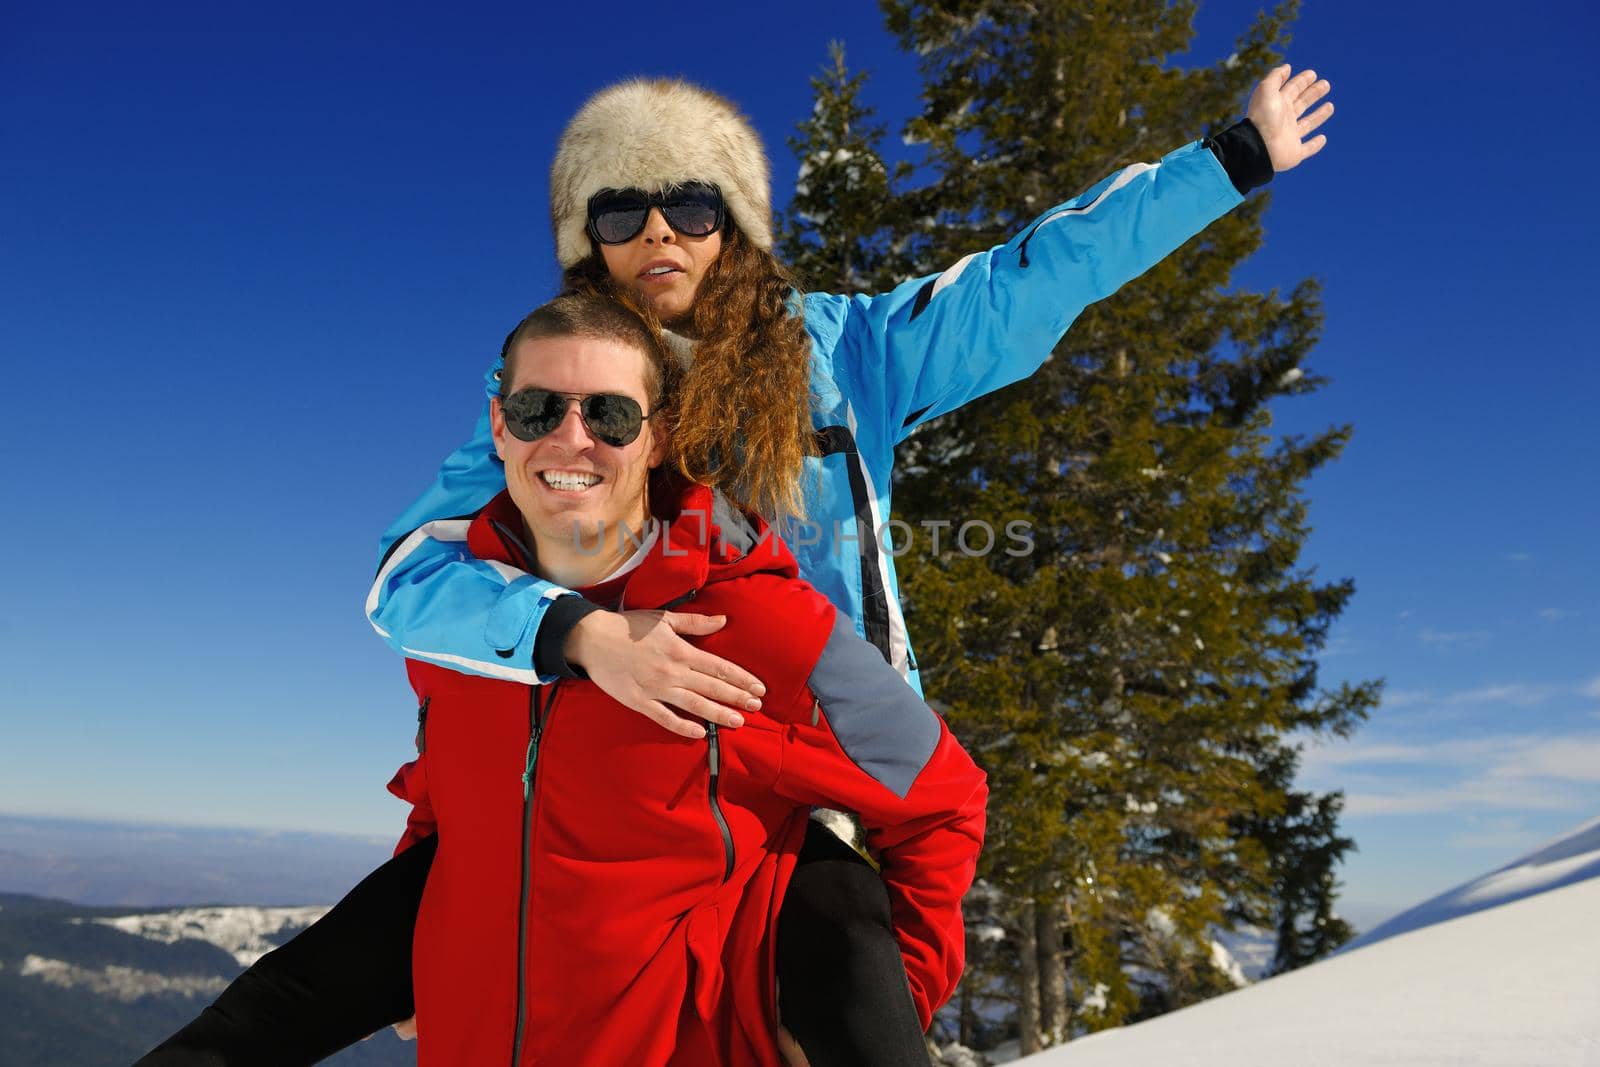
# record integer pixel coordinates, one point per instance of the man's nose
(656, 228)
(570, 433)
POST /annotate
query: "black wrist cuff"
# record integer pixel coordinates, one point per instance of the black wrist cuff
(550, 643)
(1243, 154)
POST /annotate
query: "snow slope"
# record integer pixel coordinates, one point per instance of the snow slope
(1504, 970)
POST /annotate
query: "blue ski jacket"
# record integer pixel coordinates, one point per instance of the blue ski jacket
(880, 366)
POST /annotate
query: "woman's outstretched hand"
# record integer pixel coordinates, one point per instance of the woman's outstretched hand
(1281, 106)
(640, 659)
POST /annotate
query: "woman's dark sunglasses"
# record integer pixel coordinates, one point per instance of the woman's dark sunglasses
(534, 413)
(616, 216)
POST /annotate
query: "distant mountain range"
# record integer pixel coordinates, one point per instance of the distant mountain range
(109, 863)
(114, 935)
(86, 986)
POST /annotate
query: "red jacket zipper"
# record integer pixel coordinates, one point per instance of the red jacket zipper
(538, 716)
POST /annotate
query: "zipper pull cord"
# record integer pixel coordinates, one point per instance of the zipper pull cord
(711, 739)
(533, 745)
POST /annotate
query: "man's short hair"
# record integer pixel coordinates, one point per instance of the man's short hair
(602, 318)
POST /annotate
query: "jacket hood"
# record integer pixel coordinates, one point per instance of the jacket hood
(704, 540)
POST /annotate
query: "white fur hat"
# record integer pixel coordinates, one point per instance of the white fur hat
(652, 134)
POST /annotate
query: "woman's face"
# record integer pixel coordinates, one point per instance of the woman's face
(663, 266)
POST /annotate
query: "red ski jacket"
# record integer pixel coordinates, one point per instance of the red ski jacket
(605, 892)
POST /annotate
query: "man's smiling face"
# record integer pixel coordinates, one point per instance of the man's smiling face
(569, 484)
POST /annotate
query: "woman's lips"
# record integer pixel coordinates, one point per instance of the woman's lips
(666, 269)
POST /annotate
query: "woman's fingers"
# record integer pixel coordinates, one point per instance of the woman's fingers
(699, 625)
(1312, 95)
(734, 699)
(728, 682)
(1315, 119)
(695, 704)
(1285, 111)
(724, 680)
(644, 663)
(664, 716)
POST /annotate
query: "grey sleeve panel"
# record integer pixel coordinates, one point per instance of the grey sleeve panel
(879, 720)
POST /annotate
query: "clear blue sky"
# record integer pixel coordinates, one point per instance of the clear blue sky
(252, 266)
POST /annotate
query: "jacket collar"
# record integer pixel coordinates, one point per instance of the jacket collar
(703, 540)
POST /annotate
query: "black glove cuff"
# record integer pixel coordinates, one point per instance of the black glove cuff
(1243, 154)
(549, 644)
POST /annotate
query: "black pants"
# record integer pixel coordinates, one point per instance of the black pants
(842, 985)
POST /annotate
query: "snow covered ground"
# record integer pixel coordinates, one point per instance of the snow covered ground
(1572, 858)
(1504, 970)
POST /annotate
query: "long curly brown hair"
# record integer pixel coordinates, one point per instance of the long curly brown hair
(743, 409)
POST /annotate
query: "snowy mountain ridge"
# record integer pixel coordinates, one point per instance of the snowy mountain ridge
(245, 933)
(99, 986)
(119, 982)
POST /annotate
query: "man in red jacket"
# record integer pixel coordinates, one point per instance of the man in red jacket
(604, 892)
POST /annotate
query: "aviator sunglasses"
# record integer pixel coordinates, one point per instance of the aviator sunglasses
(534, 413)
(616, 216)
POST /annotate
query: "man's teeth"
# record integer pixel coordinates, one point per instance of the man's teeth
(568, 479)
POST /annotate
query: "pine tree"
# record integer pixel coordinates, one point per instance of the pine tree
(1304, 846)
(1134, 685)
(1125, 682)
(840, 231)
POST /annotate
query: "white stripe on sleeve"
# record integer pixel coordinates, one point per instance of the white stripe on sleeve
(441, 530)
(1126, 175)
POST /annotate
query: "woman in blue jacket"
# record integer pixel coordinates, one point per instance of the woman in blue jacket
(793, 405)
(780, 378)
